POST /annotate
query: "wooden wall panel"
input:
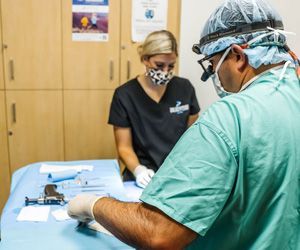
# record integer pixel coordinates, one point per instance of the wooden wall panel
(4, 162)
(32, 40)
(87, 134)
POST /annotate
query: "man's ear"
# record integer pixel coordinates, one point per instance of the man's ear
(240, 57)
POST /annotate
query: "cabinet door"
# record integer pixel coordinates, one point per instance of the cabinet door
(1, 56)
(89, 64)
(32, 37)
(87, 134)
(4, 165)
(35, 126)
(130, 62)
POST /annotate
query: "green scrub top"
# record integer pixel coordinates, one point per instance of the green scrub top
(234, 176)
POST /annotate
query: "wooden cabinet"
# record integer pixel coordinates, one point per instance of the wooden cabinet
(32, 44)
(87, 134)
(4, 162)
(1, 56)
(55, 93)
(32, 57)
(91, 73)
(35, 125)
(91, 65)
(4, 159)
(130, 62)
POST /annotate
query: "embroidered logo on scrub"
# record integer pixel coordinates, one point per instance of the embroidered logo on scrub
(179, 109)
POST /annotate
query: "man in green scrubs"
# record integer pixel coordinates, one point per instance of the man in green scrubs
(233, 179)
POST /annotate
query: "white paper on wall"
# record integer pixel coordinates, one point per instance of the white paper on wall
(148, 16)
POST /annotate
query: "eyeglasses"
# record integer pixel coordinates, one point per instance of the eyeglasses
(207, 66)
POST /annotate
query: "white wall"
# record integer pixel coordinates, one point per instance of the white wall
(194, 13)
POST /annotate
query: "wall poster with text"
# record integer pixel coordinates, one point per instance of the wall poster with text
(90, 20)
(148, 16)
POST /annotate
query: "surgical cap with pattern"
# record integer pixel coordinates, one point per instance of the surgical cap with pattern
(233, 13)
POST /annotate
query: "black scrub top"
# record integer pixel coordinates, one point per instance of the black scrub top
(155, 127)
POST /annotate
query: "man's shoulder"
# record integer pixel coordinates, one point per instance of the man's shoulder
(230, 105)
(227, 113)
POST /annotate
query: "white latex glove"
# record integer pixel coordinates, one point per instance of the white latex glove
(81, 207)
(143, 175)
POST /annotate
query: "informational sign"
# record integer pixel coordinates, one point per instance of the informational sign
(90, 20)
(148, 16)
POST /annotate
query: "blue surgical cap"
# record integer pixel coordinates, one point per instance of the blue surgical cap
(234, 13)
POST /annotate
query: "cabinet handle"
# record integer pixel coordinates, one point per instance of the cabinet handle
(111, 70)
(12, 69)
(128, 69)
(14, 112)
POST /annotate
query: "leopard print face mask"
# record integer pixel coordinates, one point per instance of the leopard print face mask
(159, 77)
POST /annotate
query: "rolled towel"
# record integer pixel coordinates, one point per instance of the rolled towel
(62, 175)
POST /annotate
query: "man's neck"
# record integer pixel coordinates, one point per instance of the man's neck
(252, 72)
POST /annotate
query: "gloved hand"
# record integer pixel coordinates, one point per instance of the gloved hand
(81, 207)
(143, 175)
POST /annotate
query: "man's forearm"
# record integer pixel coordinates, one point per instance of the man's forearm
(125, 220)
(139, 225)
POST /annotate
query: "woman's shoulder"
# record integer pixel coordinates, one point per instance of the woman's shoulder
(128, 86)
(181, 81)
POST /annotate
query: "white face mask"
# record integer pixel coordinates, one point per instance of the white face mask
(216, 80)
(215, 77)
(159, 77)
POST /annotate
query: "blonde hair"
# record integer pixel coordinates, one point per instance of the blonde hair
(158, 42)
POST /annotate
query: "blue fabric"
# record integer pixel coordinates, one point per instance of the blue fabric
(232, 13)
(52, 234)
(62, 175)
(133, 192)
(234, 176)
